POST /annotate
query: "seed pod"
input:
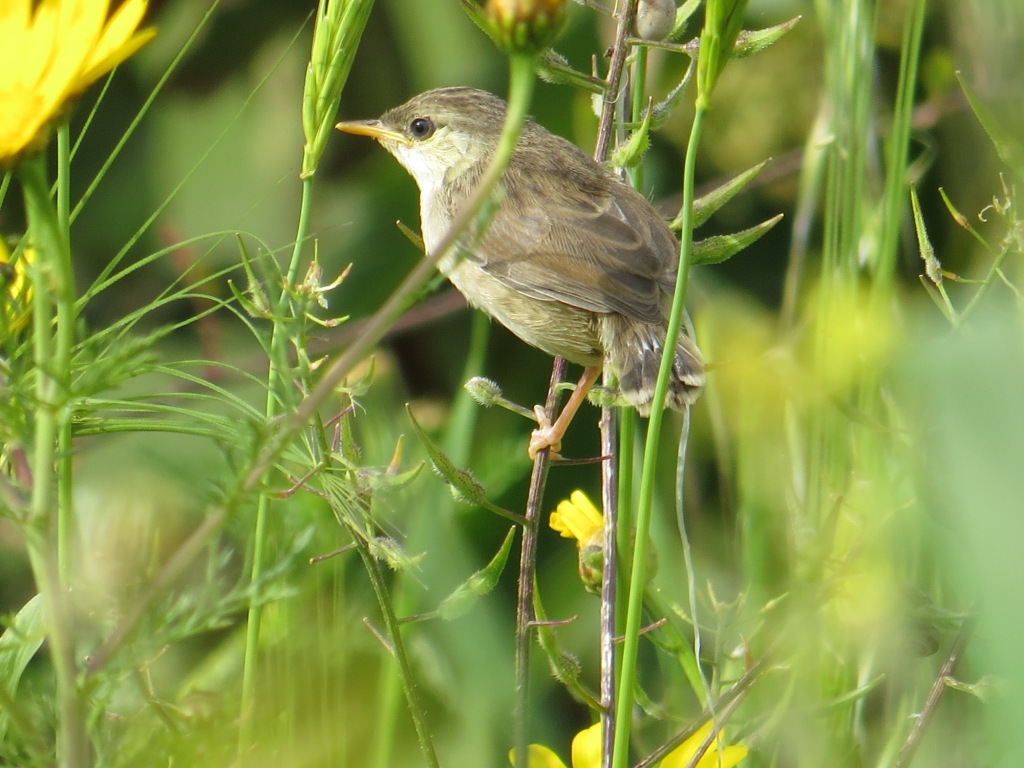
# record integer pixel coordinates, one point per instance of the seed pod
(655, 19)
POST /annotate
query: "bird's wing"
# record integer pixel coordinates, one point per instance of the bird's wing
(601, 250)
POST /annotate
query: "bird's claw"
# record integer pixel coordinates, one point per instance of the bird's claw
(546, 436)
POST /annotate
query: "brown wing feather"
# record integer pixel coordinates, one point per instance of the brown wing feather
(586, 240)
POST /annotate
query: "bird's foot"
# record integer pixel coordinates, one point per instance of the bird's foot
(546, 436)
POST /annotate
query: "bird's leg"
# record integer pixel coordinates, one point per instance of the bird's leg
(548, 435)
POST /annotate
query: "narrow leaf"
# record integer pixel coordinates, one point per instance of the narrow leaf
(753, 41)
(719, 248)
(463, 486)
(630, 154)
(1008, 146)
(479, 584)
(18, 644)
(932, 267)
(707, 205)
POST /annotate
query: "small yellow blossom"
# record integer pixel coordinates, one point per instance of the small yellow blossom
(51, 51)
(15, 291)
(578, 518)
(717, 755)
(586, 752)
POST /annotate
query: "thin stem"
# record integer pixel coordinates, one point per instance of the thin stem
(617, 493)
(416, 710)
(52, 284)
(525, 593)
(645, 504)
(924, 717)
(895, 199)
(609, 578)
(65, 341)
(456, 444)
(615, 68)
(277, 392)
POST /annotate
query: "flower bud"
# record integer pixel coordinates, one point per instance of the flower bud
(524, 25)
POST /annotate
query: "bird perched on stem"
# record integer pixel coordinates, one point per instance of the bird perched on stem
(573, 261)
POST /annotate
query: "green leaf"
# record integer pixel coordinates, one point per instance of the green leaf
(719, 248)
(663, 109)
(753, 41)
(393, 553)
(630, 154)
(932, 268)
(564, 665)
(463, 486)
(683, 14)
(1007, 144)
(479, 584)
(707, 205)
(553, 67)
(18, 644)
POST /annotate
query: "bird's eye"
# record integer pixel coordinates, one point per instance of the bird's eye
(421, 127)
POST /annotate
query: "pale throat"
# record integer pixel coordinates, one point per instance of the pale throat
(434, 164)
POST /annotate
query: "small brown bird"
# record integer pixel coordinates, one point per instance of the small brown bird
(574, 262)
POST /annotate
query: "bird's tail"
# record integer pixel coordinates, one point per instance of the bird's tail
(634, 351)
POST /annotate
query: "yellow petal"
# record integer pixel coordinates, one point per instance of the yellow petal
(15, 16)
(79, 23)
(118, 42)
(726, 758)
(49, 52)
(714, 757)
(586, 748)
(577, 518)
(538, 756)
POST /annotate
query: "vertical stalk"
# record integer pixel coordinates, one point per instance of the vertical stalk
(617, 496)
(65, 341)
(277, 393)
(631, 644)
(455, 444)
(52, 283)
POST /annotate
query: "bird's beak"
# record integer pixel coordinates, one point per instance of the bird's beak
(373, 129)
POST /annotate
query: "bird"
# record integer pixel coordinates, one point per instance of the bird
(573, 261)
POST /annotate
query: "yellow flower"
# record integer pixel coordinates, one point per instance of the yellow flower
(51, 51)
(717, 755)
(15, 290)
(578, 518)
(586, 752)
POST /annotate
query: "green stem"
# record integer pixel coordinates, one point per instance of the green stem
(895, 199)
(52, 283)
(416, 711)
(634, 609)
(277, 394)
(65, 341)
(458, 438)
(617, 490)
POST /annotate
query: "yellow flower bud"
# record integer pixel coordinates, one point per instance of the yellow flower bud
(524, 25)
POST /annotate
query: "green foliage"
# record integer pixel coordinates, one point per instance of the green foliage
(478, 585)
(19, 642)
(217, 546)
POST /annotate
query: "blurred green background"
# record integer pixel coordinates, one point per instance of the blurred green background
(220, 150)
